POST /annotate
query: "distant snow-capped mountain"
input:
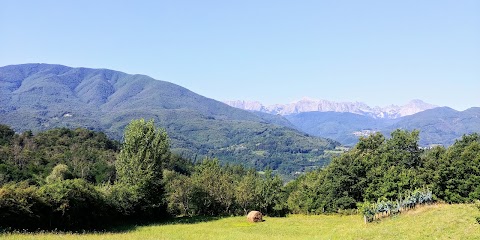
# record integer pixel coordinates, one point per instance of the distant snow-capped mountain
(314, 105)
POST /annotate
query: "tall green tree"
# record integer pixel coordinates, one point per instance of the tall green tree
(139, 164)
(6, 134)
(270, 194)
(394, 166)
(304, 195)
(216, 188)
(246, 192)
(180, 193)
(458, 173)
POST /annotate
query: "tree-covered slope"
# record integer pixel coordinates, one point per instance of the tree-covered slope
(43, 96)
(27, 157)
(336, 125)
(441, 125)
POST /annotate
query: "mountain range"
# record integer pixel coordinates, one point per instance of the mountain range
(346, 122)
(315, 105)
(288, 138)
(43, 96)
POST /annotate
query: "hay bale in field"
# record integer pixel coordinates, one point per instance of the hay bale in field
(254, 216)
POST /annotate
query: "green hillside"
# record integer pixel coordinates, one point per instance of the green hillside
(42, 96)
(336, 125)
(441, 125)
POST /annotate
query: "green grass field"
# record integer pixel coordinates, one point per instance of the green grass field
(430, 222)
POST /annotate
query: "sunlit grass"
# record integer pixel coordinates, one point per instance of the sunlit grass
(430, 222)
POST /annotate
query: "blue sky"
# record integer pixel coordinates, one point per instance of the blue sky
(377, 52)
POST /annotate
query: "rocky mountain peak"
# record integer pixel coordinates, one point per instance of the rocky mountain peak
(319, 105)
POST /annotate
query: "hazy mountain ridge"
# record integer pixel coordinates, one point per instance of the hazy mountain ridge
(347, 121)
(42, 96)
(441, 125)
(313, 105)
(341, 126)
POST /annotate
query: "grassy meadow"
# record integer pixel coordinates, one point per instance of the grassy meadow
(430, 222)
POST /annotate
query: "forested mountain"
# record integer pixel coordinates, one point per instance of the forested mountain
(437, 126)
(343, 127)
(441, 125)
(43, 96)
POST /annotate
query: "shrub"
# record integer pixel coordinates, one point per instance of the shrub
(21, 207)
(59, 172)
(75, 204)
(123, 198)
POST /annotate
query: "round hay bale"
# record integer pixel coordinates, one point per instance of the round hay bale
(254, 216)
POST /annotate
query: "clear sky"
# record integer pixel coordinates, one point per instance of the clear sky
(378, 52)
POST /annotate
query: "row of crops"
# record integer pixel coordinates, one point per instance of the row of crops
(384, 208)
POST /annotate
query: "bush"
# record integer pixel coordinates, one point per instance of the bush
(123, 198)
(21, 207)
(59, 172)
(74, 204)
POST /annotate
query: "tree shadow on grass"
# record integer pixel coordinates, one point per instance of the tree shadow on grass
(116, 227)
(191, 220)
(128, 227)
(119, 227)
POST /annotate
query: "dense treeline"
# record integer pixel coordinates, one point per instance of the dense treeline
(79, 179)
(211, 189)
(378, 169)
(66, 179)
(57, 184)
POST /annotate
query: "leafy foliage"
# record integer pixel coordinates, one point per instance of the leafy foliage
(22, 206)
(74, 204)
(214, 190)
(59, 173)
(139, 165)
(457, 178)
(87, 154)
(66, 204)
